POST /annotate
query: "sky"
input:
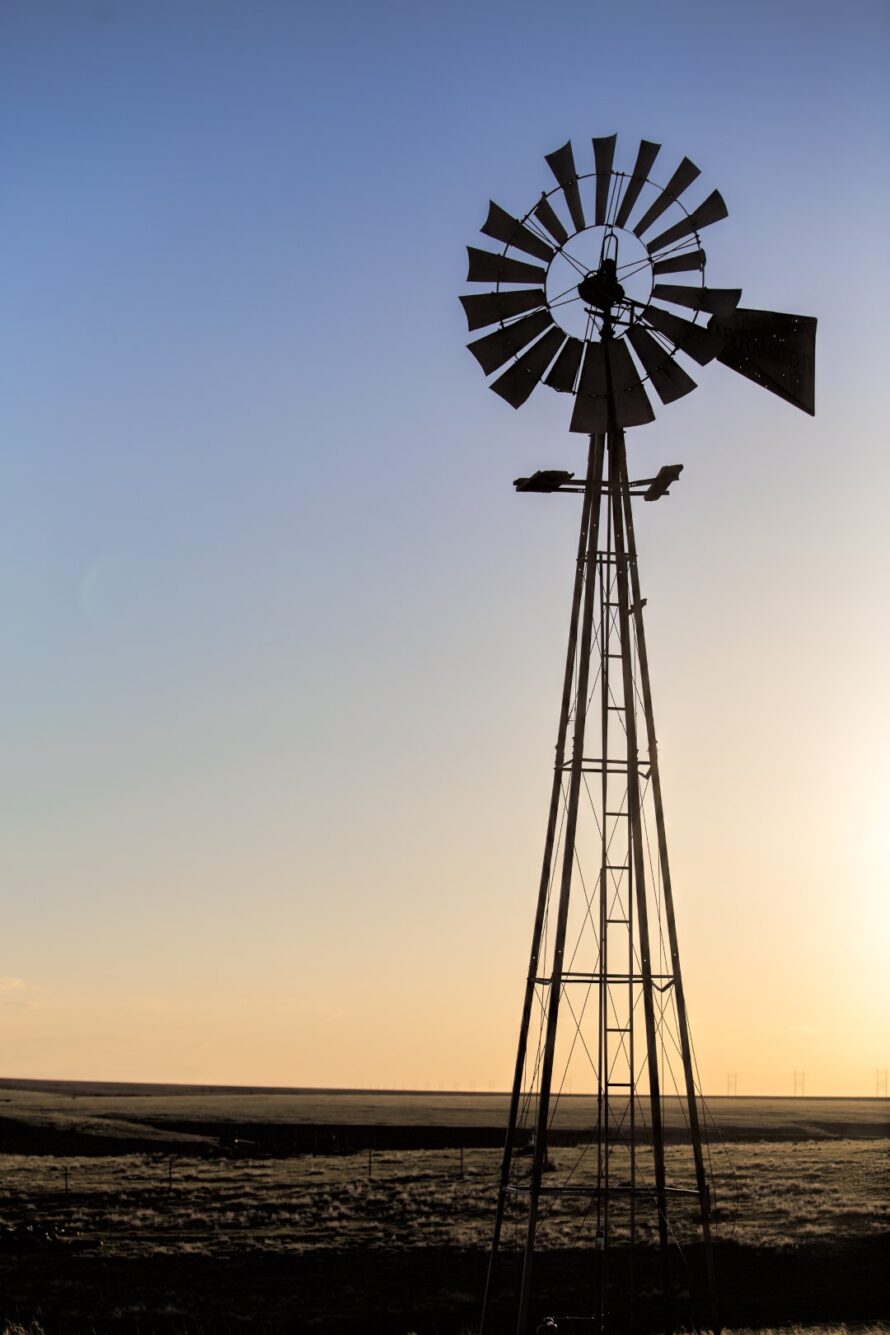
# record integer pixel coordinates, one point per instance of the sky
(281, 650)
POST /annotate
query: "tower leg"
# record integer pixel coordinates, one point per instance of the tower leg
(546, 867)
(593, 488)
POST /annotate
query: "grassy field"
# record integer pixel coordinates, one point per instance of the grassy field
(166, 1231)
(777, 1196)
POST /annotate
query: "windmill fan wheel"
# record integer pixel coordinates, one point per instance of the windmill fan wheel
(584, 297)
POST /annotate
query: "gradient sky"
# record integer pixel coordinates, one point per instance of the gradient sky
(281, 650)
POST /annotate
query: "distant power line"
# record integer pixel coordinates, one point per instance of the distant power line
(881, 1084)
(800, 1082)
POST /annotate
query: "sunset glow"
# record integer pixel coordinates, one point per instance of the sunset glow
(281, 648)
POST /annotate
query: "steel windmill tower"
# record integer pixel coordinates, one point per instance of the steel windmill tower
(582, 297)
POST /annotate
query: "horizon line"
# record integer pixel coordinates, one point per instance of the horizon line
(45, 1082)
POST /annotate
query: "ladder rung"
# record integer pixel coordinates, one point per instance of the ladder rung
(617, 866)
(625, 922)
(618, 1084)
(611, 1029)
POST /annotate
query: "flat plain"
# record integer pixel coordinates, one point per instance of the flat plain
(175, 1209)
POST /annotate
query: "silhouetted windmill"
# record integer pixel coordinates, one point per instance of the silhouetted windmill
(582, 293)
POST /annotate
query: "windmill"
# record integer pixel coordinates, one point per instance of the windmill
(584, 298)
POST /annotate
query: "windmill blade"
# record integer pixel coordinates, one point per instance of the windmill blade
(502, 226)
(591, 412)
(667, 377)
(775, 350)
(692, 259)
(486, 267)
(711, 211)
(518, 381)
(564, 370)
(550, 222)
(681, 180)
(603, 155)
(492, 350)
(715, 300)
(632, 406)
(489, 307)
(691, 338)
(646, 155)
(562, 164)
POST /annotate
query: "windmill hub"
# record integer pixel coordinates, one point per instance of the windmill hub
(573, 300)
(602, 288)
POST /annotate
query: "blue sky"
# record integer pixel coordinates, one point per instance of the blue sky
(280, 647)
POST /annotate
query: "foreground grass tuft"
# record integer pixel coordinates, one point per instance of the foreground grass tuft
(870, 1328)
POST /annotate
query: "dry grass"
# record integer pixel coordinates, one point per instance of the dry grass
(779, 1196)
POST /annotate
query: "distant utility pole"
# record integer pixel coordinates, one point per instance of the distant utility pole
(881, 1084)
(799, 1081)
(732, 1083)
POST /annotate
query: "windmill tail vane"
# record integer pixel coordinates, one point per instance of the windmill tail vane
(605, 1146)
